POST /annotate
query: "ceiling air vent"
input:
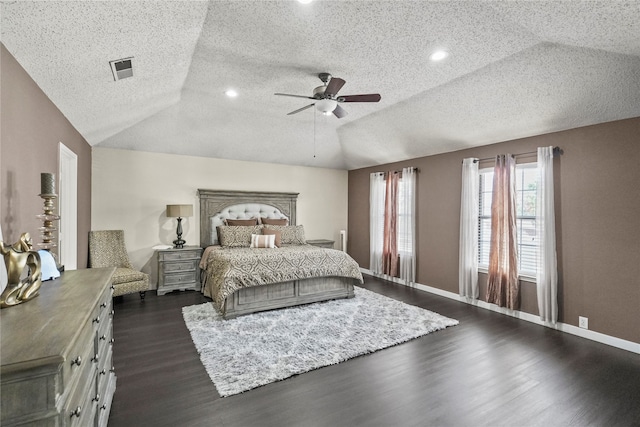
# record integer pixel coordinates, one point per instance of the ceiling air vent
(122, 68)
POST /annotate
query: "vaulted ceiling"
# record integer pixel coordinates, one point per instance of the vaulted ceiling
(515, 69)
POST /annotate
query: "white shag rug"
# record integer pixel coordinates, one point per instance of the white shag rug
(257, 349)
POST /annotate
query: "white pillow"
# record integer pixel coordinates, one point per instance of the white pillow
(263, 241)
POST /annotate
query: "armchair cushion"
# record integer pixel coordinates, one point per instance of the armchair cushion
(124, 275)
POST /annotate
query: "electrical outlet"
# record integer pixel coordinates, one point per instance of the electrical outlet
(583, 322)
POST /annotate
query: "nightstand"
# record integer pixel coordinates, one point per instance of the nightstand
(321, 243)
(178, 269)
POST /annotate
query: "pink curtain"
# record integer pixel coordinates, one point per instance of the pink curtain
(390, 239)
(502, 286)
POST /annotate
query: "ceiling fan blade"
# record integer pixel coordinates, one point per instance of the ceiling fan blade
(295, 96)
(339, 112)
(371, 97)
(335, 84)
(300, 109)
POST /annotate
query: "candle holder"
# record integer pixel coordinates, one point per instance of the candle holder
(47, 230)
(48, 193)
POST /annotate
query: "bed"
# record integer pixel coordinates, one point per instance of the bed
(243, 280)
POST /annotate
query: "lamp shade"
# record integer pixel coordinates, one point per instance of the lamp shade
(179, 211)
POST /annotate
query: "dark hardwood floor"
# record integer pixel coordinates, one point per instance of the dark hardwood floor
(490, 370)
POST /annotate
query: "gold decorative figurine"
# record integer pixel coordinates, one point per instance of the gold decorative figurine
(17, 257)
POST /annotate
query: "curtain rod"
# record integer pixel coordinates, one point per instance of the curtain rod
(556, 150)
(414, 168)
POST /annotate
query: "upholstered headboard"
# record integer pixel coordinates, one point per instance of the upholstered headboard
(218, 205)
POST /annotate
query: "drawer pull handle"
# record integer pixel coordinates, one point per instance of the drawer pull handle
(76, 412)
(96, 320)
(113, 288)
(103, 372)
(111, 341)
(103, 305)
(95, 359)
(113, 369)
(76, 361)
(112, 312)
(97, 398)
(102, 338)
(103, 407)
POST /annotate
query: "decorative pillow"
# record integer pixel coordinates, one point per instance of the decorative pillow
(274, 221)
(237, 236)
(275, 233)
(290, 234)
(245, 222)
(263, 241)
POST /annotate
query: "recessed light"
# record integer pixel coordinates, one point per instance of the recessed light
(231, 93)
(438, 55)
(305, 1)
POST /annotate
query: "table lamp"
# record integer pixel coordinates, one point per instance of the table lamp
(179, 211)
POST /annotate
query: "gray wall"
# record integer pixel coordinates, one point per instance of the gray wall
(597, 182)
(31, 127)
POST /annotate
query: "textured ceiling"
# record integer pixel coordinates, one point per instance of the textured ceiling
(516, 69)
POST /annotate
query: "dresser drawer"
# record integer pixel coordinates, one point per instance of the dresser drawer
(106, 397)
(104, 370)
(177, 266)
(81, 407)
(78, 362)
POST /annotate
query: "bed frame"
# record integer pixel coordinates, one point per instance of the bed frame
(215, 205)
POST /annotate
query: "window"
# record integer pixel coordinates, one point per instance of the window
(377, 213)
(525, 218)
(405, 239)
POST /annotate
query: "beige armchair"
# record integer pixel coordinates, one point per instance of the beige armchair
(107, 249)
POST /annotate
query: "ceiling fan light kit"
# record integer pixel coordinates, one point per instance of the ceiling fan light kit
(326, 106)
(326, 99)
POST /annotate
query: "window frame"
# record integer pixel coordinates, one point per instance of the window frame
(402, 216)
(527, 276)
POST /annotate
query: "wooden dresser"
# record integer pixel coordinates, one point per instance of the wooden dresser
(56, 353)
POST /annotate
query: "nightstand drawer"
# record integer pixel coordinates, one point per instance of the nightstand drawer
(177, 279)
(179, 254)
(178, 266)
(321, 243)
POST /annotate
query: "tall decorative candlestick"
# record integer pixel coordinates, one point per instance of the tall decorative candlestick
(48, 194)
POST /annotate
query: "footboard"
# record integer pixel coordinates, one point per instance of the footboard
(287, 294)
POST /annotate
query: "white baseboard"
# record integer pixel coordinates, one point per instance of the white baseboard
(563, 327)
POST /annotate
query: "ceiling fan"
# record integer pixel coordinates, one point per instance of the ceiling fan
(327, 100)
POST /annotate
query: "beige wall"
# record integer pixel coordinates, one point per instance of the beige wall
(597, 222)
(31, 127)
(131, 190)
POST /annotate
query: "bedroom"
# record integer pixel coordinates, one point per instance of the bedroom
(130, 189)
